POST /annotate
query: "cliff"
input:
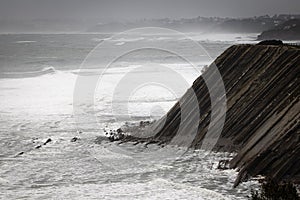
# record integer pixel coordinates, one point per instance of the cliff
(262, 120)
(289, 30)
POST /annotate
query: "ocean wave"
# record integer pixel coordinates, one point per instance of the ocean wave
(100, 39)
(24, 42)
(45, 70)
(129, 39)
(120, 43)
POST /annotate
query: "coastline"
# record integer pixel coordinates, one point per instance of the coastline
(263, 109)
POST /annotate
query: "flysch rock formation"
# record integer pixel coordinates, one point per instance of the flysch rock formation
(262, 120)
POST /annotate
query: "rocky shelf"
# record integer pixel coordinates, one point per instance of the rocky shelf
(262, 120)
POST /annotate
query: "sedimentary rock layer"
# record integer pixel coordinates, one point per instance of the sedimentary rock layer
(263, 108)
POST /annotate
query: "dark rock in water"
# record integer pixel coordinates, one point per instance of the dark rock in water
(47, 141)
(263, 111)
(115, 135)
(74, 139)
(223, 164)
(21, 153)
(111, 138)
(270, 42)
(119, 131)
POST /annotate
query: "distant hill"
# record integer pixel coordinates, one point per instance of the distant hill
(197, 24)
(201, 24)
(289, 30)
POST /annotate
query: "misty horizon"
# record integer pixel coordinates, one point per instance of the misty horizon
(197, 23)
(82, 16)
(116, 10)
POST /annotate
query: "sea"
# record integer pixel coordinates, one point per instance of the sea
(48, 132)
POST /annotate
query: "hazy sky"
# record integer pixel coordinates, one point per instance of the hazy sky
(137, 9)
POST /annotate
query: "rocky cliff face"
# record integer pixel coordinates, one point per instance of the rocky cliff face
(262, 85)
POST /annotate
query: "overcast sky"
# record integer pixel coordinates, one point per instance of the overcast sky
(138, 9)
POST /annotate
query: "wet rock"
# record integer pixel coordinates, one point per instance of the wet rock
(270, 42)
(47, 141)
(21, 153)
(115, 135)
(119, 131)
(74, 139)
(223, 164)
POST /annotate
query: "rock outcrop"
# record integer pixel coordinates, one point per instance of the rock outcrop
(262, 85)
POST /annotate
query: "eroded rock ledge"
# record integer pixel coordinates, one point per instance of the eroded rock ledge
(263, 108)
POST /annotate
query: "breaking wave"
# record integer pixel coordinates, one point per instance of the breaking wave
(45, 70)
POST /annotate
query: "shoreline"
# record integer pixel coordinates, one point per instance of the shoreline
(248, 145)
